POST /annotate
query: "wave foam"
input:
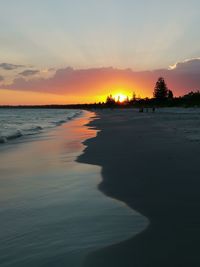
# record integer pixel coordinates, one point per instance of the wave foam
(23, 125)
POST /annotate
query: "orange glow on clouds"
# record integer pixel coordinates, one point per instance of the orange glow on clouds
(70, 86)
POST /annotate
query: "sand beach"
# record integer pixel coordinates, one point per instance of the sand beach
(150, 162)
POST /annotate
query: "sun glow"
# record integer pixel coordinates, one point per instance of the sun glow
(120, 97)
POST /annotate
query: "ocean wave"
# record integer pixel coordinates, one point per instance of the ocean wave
(58, 123)
(3, 139)
(31, 125)
(33, 129)
(68, 118)
(14, 135)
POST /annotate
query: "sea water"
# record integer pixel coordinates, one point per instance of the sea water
(51, 211)
(17, 122)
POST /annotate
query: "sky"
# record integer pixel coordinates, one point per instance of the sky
(75, 51)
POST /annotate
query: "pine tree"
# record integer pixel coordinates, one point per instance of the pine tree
(160, 90)
(170, 94)
(110, 101)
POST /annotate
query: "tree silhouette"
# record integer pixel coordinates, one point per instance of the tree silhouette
(134, 97)
(160, 91)
(110, 101)
(170, 94)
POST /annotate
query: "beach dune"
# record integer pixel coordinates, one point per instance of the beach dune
(154, 168)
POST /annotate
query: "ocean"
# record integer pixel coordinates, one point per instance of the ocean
(16, 122)
(52, 213)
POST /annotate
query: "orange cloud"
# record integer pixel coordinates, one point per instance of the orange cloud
(88, 85)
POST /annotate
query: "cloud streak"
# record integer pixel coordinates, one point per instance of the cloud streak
(181, 78)
(9, 66)
(29, 72)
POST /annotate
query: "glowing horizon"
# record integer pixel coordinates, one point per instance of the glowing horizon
(73, 86)
(9, 97)
(82, 51)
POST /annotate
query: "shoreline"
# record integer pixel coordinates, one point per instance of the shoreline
(160, 173)
(20, 135)
(51, 211)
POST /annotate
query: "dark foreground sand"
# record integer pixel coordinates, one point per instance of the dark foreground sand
(156, 171)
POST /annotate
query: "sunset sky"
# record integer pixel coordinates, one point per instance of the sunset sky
(75, 51)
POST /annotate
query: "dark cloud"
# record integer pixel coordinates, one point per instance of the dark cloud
(29, 72)
(190, 66)
(183, 77)
(9, 66)
(1, 78)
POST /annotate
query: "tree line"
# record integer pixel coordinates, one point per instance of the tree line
(162, 97)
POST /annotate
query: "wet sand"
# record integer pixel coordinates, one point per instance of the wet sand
(155, 171)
